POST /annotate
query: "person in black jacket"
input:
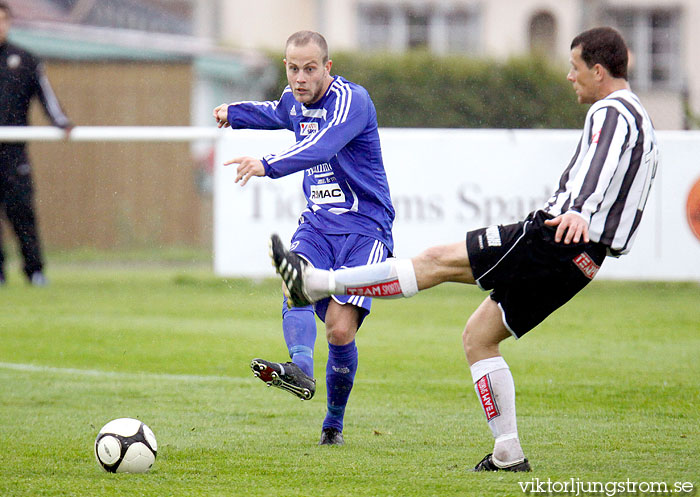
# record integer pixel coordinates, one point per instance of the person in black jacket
(22, 77)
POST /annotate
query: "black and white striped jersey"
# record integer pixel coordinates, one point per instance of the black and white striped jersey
(609, 177)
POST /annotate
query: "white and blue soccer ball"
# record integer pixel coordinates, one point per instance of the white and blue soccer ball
(126, 445)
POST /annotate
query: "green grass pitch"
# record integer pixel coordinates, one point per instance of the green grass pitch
(608, 390)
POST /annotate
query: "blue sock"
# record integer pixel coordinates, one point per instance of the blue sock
(299, 327)
(340, 376)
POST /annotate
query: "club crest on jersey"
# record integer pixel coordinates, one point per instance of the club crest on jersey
(308, 128)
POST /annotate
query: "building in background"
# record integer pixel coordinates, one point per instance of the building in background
(144, 30)
(131, 63)
(664, 35)
(169, 62)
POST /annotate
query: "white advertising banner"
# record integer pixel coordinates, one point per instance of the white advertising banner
(445, 182)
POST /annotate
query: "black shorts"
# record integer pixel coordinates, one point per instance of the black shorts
(530, 274)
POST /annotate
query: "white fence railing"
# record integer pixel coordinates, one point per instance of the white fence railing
(443, 182)
(110, 133)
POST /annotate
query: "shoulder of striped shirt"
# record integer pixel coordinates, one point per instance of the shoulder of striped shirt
(616, 104)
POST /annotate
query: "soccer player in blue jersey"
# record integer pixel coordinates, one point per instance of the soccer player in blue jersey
(348, 217)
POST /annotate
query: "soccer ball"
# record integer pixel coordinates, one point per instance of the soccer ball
(126, 445)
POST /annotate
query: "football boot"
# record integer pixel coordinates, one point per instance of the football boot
(331, 436)
(487, 464)
(287, 376)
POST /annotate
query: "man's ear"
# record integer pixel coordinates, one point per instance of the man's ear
(599, 72)
(328, 65)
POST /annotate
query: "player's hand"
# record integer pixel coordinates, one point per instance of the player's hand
(247, 168)
(570, 227)
(221, 116)
(67, 131)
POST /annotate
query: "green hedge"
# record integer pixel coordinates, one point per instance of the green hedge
(424, 91)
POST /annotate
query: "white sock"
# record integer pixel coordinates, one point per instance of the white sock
(392, 278)
(318, 283)
(494, 386)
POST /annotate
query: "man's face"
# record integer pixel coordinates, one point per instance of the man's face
(585, 80)
(307, 75)
(4, 25)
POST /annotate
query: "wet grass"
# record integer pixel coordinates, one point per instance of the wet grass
(607, 389)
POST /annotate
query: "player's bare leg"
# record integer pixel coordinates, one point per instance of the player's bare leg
(442, 264)
(494, 387)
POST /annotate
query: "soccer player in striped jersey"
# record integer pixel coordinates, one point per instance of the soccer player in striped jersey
(348, 218)
(535, 266)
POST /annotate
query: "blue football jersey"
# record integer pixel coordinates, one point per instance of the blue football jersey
(337, 147)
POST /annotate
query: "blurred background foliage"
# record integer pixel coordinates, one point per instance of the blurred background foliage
(420, 90)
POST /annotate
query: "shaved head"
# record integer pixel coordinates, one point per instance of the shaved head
(301, 38)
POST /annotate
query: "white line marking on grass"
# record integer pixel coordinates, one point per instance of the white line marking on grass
(34, 368)
(96, 373)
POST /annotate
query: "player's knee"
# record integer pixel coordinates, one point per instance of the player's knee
(469, 343)
(477, 343)
(339, 335)
(342, 323)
